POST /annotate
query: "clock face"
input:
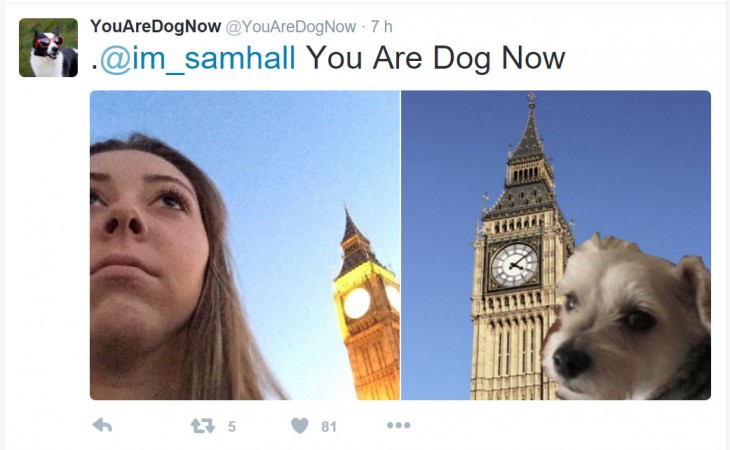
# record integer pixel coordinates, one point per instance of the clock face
(393, 296)
(514, 265)
(357, 303)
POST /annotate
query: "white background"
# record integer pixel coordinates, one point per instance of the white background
(45, 133)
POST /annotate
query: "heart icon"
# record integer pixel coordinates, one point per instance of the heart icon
(299, 425)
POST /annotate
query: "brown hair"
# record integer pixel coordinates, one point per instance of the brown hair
(222, 360)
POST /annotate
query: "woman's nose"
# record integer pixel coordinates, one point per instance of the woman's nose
(123, 220)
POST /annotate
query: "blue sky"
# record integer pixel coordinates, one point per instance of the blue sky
(285, 162)
(635, 165)
(631, 164)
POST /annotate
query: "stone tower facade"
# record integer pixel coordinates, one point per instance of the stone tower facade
(520, 252)
(367, 299)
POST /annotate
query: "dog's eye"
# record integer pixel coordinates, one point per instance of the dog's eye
(570, 302)
(640, 320)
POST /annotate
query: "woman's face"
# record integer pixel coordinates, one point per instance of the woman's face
(149, 249)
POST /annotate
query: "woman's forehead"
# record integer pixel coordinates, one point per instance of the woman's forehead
(134, 164)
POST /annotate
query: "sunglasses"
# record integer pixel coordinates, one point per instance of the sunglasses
(45, 42)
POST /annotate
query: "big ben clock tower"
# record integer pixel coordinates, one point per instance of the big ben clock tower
(367, 298)
(520, 252)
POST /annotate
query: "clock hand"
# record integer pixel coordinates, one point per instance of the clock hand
(514, 264)
(525, 256)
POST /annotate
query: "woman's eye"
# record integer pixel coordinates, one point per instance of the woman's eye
(94, 198)
(173, 200)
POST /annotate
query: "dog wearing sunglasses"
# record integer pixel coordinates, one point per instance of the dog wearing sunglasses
(49, 59)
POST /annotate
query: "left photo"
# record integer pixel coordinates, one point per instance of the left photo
(244, 245)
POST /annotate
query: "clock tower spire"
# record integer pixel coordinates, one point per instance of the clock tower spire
(367, 300)
(520, 253)
(356, 247)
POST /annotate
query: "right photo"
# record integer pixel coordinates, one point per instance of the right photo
(556, 245)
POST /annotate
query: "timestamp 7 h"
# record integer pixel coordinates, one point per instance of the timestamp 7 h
(381, 26)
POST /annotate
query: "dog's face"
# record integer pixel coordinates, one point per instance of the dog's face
(627, 323)
(47, 44)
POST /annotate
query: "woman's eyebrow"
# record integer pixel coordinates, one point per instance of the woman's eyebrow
(167, 178)
(97, 176)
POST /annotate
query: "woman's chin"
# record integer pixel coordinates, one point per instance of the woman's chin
(122, 328)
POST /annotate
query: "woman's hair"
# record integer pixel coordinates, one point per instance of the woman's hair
(222, 361)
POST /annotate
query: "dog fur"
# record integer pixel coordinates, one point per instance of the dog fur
(632, 326)
(54, 60)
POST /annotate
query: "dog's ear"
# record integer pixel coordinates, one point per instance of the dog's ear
(612, 242)
(595, 243)
(56, 31)
(596, 239)
(696, 277)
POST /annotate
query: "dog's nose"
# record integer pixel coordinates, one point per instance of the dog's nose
(570, 361)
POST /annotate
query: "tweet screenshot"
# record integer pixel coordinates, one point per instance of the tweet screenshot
(364, 226)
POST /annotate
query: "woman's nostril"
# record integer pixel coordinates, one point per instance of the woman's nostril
(135, 225)
(112, 225)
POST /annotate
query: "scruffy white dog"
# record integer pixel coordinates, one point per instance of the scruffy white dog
(632, 326)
